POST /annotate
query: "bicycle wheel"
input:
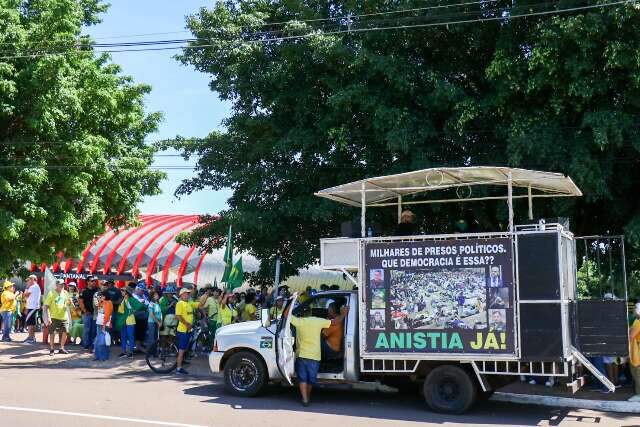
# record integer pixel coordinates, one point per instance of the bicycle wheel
(162, 358)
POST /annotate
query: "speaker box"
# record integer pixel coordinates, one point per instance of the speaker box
(538, 266)
(540, 334)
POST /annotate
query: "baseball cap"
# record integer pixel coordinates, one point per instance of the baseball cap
(32, 276)
(59, 282)
(73, 284)
(91, 277)
(7, 285)
(170, 289)
(141, 286)
(185, 291)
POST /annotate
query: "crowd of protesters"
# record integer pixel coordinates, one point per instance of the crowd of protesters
(132, 317)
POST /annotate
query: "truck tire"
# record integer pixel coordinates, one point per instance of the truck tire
(449, 389)
(245, 374)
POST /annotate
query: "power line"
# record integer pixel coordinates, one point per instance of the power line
(505, 17)
(291, 21)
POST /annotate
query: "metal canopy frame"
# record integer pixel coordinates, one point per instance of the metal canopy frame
(389, 190)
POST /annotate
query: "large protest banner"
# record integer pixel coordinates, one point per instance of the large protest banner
(440, 296)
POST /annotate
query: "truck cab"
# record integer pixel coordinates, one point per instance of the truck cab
(252, 354)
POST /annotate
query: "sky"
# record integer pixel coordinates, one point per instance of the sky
(190, 108)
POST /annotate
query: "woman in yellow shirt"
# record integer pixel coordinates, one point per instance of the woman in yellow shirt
(226, 313)
(249, 310)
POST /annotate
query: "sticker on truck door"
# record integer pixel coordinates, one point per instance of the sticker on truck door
(266, 342)
(440, 296)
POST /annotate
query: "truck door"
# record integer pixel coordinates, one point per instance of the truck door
(285, 356)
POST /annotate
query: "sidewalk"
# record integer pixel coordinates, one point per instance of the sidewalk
(17, 354)
(560, 396)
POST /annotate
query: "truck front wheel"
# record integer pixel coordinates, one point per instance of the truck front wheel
(449, 389)
(245, 374)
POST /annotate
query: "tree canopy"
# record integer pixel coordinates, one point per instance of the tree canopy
(73, 155)
(557, 92)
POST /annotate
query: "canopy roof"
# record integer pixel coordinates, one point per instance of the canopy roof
(379, 190)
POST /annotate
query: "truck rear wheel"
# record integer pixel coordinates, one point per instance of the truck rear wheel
(245, 374)
(449, 389)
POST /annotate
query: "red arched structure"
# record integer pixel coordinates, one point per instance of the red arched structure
(134, 244)
(165, 242)
(128, 235)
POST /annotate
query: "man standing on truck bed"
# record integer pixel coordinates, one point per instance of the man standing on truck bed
(308, 330)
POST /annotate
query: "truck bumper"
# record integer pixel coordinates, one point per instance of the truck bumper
(215, 361)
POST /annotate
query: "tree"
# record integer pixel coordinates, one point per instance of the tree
(552, 92)
(73, 156)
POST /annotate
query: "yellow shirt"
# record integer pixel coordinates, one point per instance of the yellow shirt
(225, 315)
(249, 312)
(634, 344)
(308, 330)
(212, 307)
(8, 299)
(57, 304)
(184, 309)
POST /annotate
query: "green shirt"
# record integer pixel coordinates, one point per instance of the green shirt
(212, 307)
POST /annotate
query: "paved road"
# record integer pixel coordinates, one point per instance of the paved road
(34, 396)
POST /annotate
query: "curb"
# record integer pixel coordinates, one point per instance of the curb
(568, 402)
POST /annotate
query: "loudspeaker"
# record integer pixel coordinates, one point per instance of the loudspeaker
(540, 333)
(538, 266)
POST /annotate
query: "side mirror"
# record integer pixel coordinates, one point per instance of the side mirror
(264, 318)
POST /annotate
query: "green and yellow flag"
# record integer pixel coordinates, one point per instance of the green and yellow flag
(236, 277)
(228, 258)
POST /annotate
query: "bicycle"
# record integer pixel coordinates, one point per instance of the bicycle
(162, 355)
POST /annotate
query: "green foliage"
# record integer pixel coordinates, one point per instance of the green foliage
(558, 93)
(72, 130)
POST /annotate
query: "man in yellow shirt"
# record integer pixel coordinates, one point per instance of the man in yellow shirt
(184, 314)
(57, 304)
(308, 353)
(7, 308)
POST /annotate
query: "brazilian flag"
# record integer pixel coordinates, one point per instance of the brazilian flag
(228, 258)
(236, 277)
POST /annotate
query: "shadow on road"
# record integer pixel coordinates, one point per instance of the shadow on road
(388, 406)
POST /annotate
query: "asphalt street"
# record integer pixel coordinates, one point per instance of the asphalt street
(34, 396)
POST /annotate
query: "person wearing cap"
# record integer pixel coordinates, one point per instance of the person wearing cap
(406, 227)
(57, 304)
(184, 314)
(7, 308)
(87, 309)
(127, 321)
(32, 296)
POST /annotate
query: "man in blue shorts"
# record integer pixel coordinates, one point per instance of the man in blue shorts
(184, 314)
(308, 353)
